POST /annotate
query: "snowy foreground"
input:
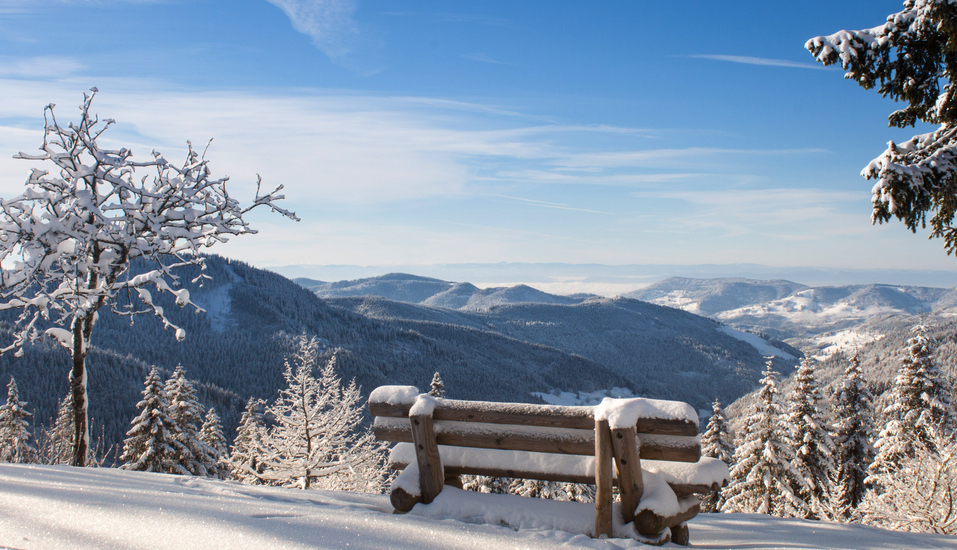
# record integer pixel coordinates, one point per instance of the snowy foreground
(62, 507)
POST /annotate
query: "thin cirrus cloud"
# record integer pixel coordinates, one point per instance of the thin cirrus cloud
(328, 22)
(748, 60)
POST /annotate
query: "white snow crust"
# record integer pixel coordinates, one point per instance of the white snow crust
(423, 406)
(394, 395)
(757, 343)
(622, 413)
(53, 507)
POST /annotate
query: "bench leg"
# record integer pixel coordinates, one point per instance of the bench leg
(431, 476)
(630, 485)
(603, 481)
(680, 534)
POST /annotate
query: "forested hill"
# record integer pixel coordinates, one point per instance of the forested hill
(661, 352)
(236, 350)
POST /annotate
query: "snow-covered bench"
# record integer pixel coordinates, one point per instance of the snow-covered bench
(439, 439)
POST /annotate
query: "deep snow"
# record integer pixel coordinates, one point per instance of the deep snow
(48, 507)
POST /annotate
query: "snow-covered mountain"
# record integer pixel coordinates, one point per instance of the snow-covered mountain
(402, 287)
(789, 310)
(498, 353)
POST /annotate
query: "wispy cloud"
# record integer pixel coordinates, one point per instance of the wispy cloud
(546, 204)
(328, 22)
(39, 67)
(747, 60)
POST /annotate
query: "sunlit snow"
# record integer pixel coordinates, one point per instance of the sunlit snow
(46, 507)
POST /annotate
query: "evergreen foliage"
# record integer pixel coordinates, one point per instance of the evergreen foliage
(763, 477)
(910, 58)
(246, 456)
(15, 445)
(187, 414)
(437, 386)
(317, 438)
(853, 429)
(211, 435)
(153, 444)
(716, 443)
(57, 446)
(918, 403)
(813, 447)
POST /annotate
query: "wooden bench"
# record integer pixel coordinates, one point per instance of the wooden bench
(653, 445)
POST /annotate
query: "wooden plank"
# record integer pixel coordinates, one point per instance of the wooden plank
(581, 418)
(431, 477)
(581, 444)
(680, 489)
(630, 485)
(603, 479)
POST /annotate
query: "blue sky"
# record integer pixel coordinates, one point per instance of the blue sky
(453, 132)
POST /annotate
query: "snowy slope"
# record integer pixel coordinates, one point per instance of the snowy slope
(789, 309)
(60, 507)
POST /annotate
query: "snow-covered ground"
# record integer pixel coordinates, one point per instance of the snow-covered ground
(43, 507)
(844, 340)
(757, 343)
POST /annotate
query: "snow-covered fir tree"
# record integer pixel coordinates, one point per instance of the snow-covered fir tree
(246, 456)
(15, 444)
(813, 447)
(211, 434)
(763, 475)
(153, 444)
(716, 443)
(919, 402)
(187, 413)
(57, 444)
(921, 494)
(317, 439)
(853, 429)
(437, 387)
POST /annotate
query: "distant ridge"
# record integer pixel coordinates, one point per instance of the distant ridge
(414, 289)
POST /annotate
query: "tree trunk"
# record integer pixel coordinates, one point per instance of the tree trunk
(81, 428)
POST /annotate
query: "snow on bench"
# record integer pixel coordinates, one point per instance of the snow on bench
(439, 438)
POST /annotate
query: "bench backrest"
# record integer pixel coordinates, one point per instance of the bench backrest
(528, 427)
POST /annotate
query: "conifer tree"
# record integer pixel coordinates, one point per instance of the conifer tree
(211, 434)
(246, 457)
(153, 444)
(317, 436)
(716, 443)
(853, 429)
(57, 446)
(909, 58)
(187, 414)
(763, 476)
(437, 386)
(15, 445)
(814, 449)
(919, 402)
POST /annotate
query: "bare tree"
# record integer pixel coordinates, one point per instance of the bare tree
(70, 237)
